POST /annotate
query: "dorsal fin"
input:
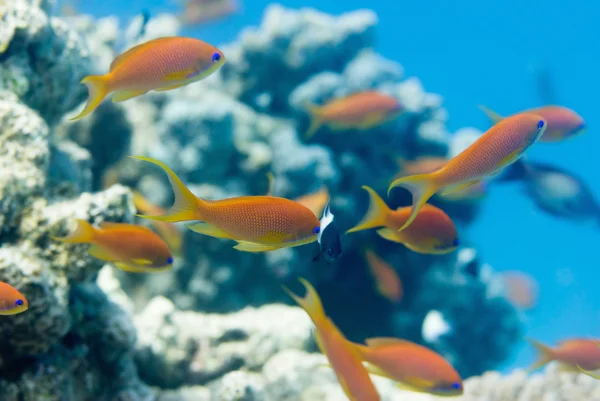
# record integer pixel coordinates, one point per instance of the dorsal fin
(383, 341)
(123, 56)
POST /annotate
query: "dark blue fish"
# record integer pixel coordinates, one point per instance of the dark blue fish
(329, 238)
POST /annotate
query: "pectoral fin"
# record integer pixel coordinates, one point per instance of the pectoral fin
(390, 235)
(100, 253)
(142, 262)
(178, 76)
(510, 158)
(168, 88)
(208, 229)
(246, 246)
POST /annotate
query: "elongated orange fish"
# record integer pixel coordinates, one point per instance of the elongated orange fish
(386, 278)
(562, 122)
(202, 11)
(340, 353)
(168, 231)
(498, 147)
(433, 231)
(160, 64)
(569, 354)
(363, 111)
(257, 223)
(414, 367)
(131, 248)
(11, 300)
(425, 165)
(521, 289)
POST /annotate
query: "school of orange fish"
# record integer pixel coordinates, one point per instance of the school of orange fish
(267, 223)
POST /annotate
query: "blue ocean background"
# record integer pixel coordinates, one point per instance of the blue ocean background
(473, 53)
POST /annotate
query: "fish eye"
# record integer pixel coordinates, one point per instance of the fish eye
(541, 124)
(19, 302)
(455, 242)
(316, 230)
(216, 57)
(169, 260)
(456, 386)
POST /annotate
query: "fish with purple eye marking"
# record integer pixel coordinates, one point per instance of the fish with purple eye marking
(11, 300)
(161, 64)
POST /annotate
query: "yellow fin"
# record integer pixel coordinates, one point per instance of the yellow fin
(122, 95)
(372, 120)
(168, 88)
(207, 229)
(374, 370)
(97, 86)
(385, 341)
(100, 253)
(140, 269)
(409, 387)
(510, 158)
(316, 121)
(247, 246)
(178, 76)
(546, 354)
(83, 234)
(186, 207)
(589, 373)
(390, 235)
(141, 262)
(311, 303)
(376, 214)
(421, 186)
(492, 115)
(458, 187)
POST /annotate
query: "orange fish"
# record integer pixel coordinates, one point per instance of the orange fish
(131, 248)
(201, 11)
(569, 354)
(315, 201)
(433, 231)
(11, 300)
(521, 289)
(160, 64)
(340, 353)
(498, 147)
(425, 165)
(587, 372)
(169, 232)
(562, 122)
(363, 111)
(257, 223)
(386, 278)
(414, 367)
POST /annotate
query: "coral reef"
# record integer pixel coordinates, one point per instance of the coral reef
(222, 136)
(72, 342)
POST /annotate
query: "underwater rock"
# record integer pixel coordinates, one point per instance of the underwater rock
(178, 348)
(42, 59)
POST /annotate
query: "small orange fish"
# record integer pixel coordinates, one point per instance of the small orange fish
(363, 111)
(202, 11)
(521, 289)
(11, 300)
(562, 122)
(168, 231)
(386, 278)
(498, 147)
(433, 231)
(425, 165)
(131, 248)
(257, 223)
(340, 353)
(414, 367)
(569, 354)
(160, 64)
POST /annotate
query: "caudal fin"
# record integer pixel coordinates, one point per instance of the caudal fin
(546, 354)
(421, 186)
(315, 120)
(97, 91)
(84, 234)
(311, 302)
(491, 114)
(375, 216)
(186, 207)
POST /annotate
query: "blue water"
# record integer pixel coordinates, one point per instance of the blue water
(475, 52)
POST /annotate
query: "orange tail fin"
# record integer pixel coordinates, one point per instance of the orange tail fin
(421, 186)
(311, 302)
(315, 120)
(84, 234)
(375, 216)
(187, 206)
(97, 91)
(546, 354)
